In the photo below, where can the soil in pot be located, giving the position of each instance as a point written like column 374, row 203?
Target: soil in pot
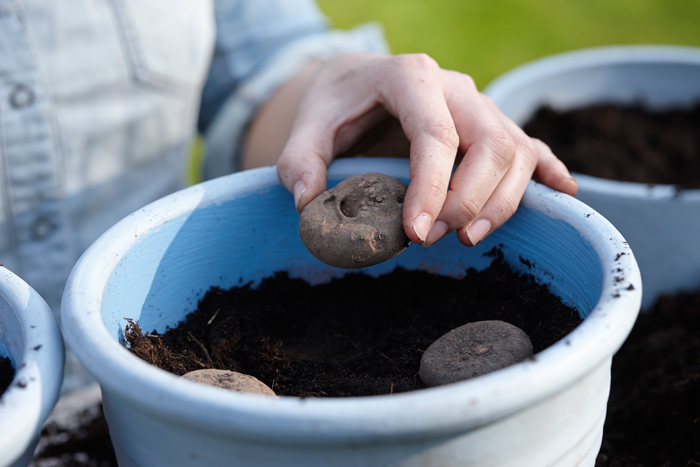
column 624, row 143
column 354, row 336
column 653, row 416
column 7, row 373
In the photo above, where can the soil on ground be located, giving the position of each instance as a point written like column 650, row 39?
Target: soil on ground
column 7, row 373
column 629, row 144
column 653, row 416
column 76, row 433
column 84, row 443
column 654, row 408
column 354, row 336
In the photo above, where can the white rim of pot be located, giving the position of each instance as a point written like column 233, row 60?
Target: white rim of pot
column 34, row 391
column 503, row 86
column 440, row 410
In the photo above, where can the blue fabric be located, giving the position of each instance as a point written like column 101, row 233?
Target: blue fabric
column 248, row 34
column 260, row 45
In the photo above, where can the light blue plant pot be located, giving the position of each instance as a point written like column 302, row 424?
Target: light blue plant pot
column 156, row 264
column 660, row 223
column 30, row 337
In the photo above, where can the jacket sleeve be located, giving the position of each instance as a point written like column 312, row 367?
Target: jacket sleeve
column 260, row 44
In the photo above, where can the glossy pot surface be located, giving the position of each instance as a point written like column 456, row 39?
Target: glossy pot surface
column 156, row 264
column 30, row 337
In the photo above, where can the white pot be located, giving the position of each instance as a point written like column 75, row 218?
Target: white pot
column 157, row 263
column 30, row 337
column 660, row 223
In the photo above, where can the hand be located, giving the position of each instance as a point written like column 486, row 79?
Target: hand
column 442, row 114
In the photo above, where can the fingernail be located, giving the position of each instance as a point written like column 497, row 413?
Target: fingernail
column 436, row 233
column 299, row 189
column 421, row 226
column 478, row 230
column 572, row 182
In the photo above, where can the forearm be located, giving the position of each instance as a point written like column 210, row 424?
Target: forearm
column 270, row 128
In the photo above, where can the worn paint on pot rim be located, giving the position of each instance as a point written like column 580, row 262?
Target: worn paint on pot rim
column 30, row 337
column 660, row 222
column 157, row 263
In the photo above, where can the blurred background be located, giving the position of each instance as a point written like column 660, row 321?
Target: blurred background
column 486, row 38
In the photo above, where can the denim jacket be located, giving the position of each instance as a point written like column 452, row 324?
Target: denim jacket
column 100, row 101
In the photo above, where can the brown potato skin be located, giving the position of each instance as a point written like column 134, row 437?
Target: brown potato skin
column 472, row 350
column 230, row 380
column 357, row 223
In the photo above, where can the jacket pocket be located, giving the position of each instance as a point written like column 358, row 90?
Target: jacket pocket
column 168, row 43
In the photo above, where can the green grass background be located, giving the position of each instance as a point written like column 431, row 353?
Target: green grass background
column 485, row 38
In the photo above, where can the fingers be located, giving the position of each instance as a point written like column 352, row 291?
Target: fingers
column 442, row 114
column 504, row 200
column 506, row 197
column 493, row 148
column 474, row 218
column 302, row 170
column 552, row 172
column 415, row 95
column 336, row 109
column 350, row 95
column 314, row 140
column 531, row 155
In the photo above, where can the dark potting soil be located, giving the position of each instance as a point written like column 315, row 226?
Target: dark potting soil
column 7, row 374
column 85, row 443
column 624, row 143
column 654, row 408
column 354, row 336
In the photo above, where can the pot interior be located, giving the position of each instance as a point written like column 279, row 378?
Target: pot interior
column 246, row 237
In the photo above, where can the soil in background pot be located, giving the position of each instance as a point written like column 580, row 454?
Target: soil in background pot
column 7, row 373
column 354, row 336
column 629, row 143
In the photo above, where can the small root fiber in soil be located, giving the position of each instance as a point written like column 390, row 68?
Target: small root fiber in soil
column 653, row 414
column 625, row 143
column 354, row 336
column 7, row 374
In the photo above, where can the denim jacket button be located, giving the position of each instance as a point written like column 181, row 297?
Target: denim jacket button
column 21, row 96
column 41, row 228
